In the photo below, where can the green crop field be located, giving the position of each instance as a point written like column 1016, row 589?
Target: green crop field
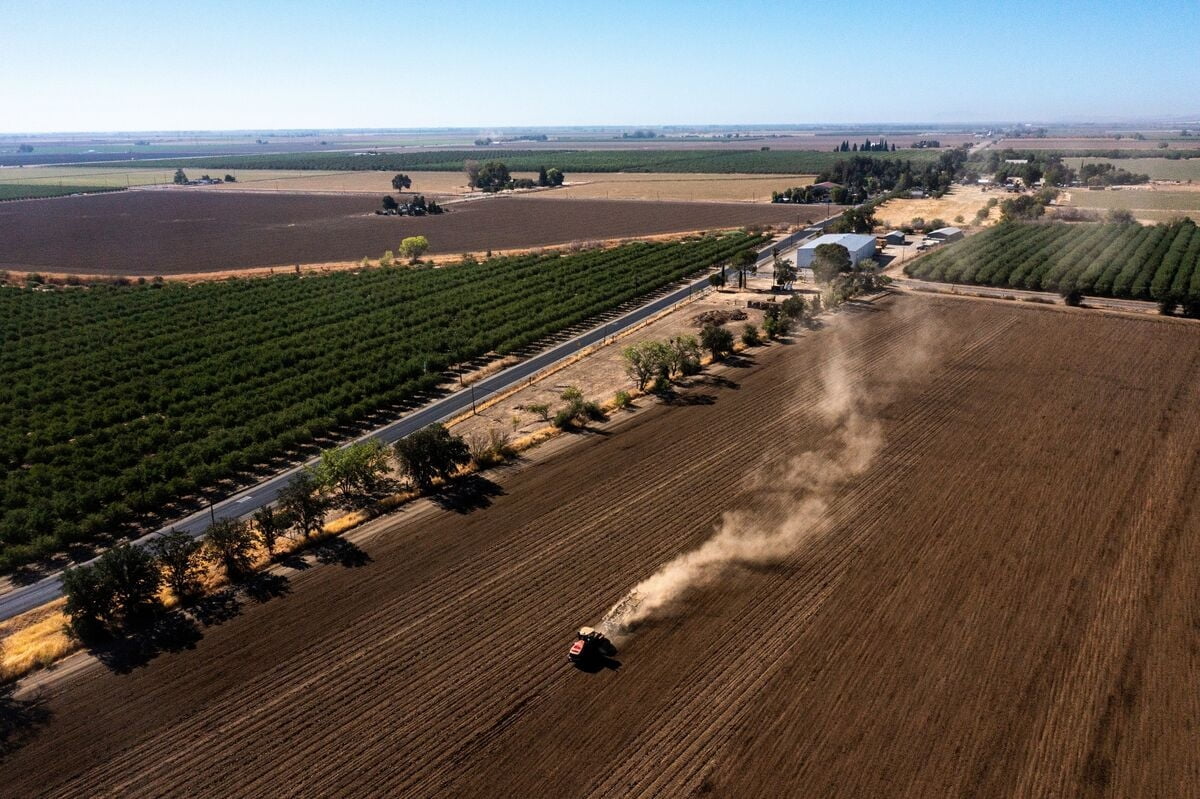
column 31, row 191
column 710, row 161
column 1107, row 260
column 116, row 401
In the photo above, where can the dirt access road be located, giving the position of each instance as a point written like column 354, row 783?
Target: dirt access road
column 1002, row 604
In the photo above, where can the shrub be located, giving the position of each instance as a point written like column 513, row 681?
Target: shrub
column 750, row 335
column 661, row 386
column 771, row 326
column 539, row 409
column 622, row 399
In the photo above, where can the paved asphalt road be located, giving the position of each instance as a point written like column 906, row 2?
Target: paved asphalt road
column 251, row 499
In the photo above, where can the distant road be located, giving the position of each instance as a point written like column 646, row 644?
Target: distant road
column 20, row 600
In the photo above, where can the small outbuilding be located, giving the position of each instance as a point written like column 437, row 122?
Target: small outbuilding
column 946, row 234
column 893, row 237
column 860, row 246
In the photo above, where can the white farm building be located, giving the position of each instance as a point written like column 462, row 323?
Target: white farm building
column 860, row 246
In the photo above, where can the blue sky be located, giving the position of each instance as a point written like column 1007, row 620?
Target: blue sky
column 90, row 66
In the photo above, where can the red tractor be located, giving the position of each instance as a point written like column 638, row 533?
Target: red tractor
column 589, row 645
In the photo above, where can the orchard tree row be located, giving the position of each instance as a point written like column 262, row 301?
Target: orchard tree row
column 1158, row 262
column 119, row 403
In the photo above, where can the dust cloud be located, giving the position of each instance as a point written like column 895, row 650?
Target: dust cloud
column 795, row 497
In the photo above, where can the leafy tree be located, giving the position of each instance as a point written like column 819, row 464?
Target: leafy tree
column 1024, row 207
column 401, row 182
column 828, row 261
column 228, row 542
column 543, row 179
column 389, row 203
column 180, row 178
column 269, row 524
column 750, row 335
column 794, row 308
column 717, row 279
column 471, row 167
column 177, row 552
column 413, row 247
column 717, row 340
column 855, row 220
column 89, row 601
column 352, row 468
column 430, row 453
column 230, row 178
column 771, row 326
column 784, row 273
column 493, row 176
column 302, row 502
column 555, row 177
column 120, row 589
column 684, row 355
column 644, row 360
column 1120, row 216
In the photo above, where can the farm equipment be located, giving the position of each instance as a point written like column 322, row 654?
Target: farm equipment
column 589, row 645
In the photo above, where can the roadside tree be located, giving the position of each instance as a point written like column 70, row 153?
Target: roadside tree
column 228, row 542
column 303, row 504
column 177, row 553
column 431, row 453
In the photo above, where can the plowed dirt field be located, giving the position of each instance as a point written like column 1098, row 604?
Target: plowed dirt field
column 1005, row 603
column 164, row 232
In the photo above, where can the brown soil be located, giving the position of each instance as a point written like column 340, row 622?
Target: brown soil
column 166, row 232
column 1004, row 604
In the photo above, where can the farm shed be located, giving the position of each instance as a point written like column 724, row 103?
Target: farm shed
column 946, row 234
column 860, row 245
column 893, row 237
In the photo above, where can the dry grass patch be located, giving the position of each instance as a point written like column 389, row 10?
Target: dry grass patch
column 962, row 201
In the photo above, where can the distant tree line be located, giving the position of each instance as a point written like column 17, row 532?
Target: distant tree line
column 494, row 176
column 867, row 146
column 861, row 178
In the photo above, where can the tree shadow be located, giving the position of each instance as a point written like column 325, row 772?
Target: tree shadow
column 19, row 718
column 169, row 632
column 216, row 608
column 265, row 586
column 470, row 493
column 689, row 398
column 717, row 381
column 343, row 553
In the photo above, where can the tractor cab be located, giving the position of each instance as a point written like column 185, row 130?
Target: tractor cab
column 588, row 645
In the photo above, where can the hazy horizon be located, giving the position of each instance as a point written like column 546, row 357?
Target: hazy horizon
column 224, row 66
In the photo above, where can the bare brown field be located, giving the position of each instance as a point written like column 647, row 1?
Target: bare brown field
column 175, row 232
column 1002, row 604
column 580, row 185
column 674, row 186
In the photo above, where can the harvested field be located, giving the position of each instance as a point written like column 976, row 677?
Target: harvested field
column 170, row 232
column 668, row 186
column 964, row 201
column 1067, row 144
column 1003, row 604
column 1187, row 169
column 1148, row 204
